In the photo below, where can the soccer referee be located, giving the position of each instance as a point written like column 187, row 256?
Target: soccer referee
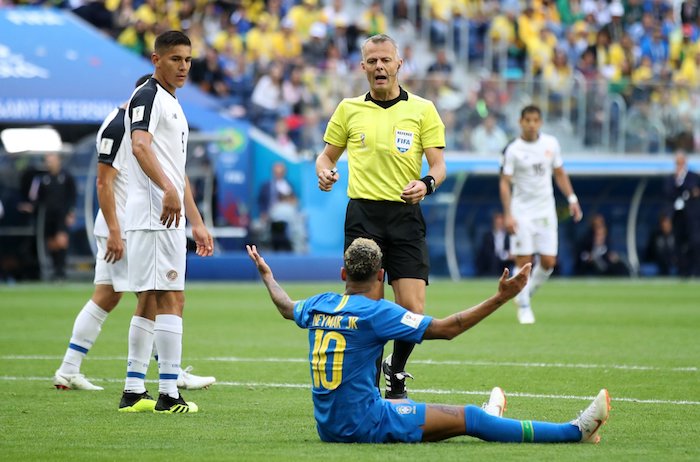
column 386, row 132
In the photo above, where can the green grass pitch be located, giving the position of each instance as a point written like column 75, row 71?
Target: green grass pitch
column 638, row 338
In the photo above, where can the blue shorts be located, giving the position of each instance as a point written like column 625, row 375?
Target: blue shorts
column 397, row 422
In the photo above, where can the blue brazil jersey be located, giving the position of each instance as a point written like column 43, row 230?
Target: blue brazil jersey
column 346, row 336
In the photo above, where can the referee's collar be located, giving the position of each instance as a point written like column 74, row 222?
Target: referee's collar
column 403, row 96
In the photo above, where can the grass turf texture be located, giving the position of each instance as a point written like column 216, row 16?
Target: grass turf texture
column 637, row 338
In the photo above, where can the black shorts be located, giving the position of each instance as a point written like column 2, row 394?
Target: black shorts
column 398, row 229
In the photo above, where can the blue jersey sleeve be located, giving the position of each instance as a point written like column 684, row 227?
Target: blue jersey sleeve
column 303, row 310
column 301, row 316
column 393, row 322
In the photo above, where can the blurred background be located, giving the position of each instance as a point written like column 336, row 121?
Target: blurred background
column 618, row 83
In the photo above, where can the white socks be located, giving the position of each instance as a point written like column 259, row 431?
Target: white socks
column 139, row 355
column 168, row 336
column 538, row 277
column 523, row 298
column 86, row 329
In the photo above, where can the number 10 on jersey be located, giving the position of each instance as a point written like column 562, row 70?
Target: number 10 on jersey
column 319, row 359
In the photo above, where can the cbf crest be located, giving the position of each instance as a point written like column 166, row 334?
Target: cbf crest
column 403, row 140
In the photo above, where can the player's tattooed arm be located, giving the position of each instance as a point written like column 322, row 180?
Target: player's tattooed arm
column 280, row 298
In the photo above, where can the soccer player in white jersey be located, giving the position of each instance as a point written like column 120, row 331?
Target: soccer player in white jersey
column 527, row 197
column 111, row 267
column 159, row 190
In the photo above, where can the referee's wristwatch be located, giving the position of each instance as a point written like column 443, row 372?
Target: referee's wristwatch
column 429, row 182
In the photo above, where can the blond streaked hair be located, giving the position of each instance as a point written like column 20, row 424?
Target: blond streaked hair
column 363, row 259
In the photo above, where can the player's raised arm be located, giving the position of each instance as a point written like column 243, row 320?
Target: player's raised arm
column 279, row 297
column 452, row 326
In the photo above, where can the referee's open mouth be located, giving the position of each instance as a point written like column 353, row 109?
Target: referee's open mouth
column 380, row 78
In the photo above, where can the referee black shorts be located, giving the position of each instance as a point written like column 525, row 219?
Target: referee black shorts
column 398, row 229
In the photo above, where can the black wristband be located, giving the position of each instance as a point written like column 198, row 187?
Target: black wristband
column 429, row 182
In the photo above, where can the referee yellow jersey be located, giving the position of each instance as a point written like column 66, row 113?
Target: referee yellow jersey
column 385, row 142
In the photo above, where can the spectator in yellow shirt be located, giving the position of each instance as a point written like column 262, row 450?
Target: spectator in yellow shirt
column 601, row 49
column 303, row 16
column 623, row 51
column 229, row 39
column 558, row 75
column 682, row 46
column 259, row 40
column 689, row 72
column 529, row 27
column 286, row 44
column 547, row 13
column 138, row 38
column 440, row 17
column 503, row 33
column 621, row 80
column 148, row 12
column 643, row 77
column 373, row 21
column 541, row 50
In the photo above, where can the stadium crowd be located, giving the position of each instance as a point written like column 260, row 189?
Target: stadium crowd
column 630, row 67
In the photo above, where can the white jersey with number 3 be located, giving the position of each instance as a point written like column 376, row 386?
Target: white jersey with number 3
column 530, row 166
column 155, row 110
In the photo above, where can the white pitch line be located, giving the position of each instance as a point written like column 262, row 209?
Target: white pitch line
column 234, row 359
column 429, row 391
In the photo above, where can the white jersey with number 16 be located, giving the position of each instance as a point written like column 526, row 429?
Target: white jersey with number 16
column 530, row 166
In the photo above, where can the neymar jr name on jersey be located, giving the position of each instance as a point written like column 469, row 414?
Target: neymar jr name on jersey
column 335, row 322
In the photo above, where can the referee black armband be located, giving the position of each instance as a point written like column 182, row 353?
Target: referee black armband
column 429, row 182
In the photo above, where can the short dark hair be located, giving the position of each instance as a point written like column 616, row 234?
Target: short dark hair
column 530, row 109
column 141, row 80
column 170, row 39
column 362, row 259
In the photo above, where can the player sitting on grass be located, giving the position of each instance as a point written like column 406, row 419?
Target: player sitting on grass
column 346, row 334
